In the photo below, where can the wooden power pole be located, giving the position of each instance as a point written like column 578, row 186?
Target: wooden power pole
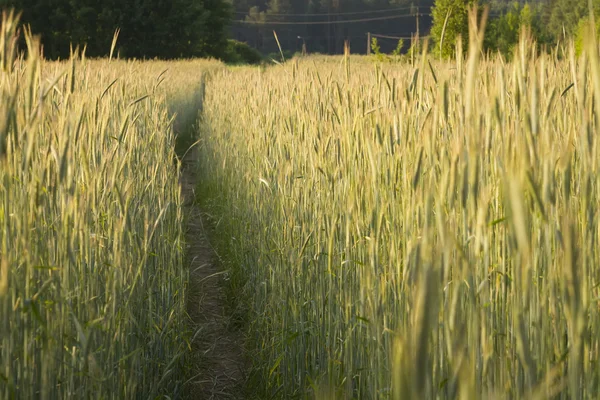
column 418, row 32
column 368, row 43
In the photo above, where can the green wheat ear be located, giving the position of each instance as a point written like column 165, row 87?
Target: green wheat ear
column 93, row 284
column 424, row 225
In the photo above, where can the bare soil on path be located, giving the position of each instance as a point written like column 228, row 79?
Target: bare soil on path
column 218, row 348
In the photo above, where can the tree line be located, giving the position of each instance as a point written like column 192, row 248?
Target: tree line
column 148, row 28
column 549, row 22
column 201, row 28
column 321, row 24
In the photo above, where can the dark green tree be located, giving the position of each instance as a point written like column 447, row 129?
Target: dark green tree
column 279, row 7
column 564, row 17
column 216, row 18
column 51, row 19
column 148, row 28
column 503, row 32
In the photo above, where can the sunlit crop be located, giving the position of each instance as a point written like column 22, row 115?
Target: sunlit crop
column 413, row 231
column 92, row 280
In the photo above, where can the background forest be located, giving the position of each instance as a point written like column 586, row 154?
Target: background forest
column 209, row 28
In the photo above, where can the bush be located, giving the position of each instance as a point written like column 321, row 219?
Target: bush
column 396, row 55
column 241, row 53
column 503, row 32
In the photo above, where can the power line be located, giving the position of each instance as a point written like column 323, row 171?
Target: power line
column 315, row 37
column 348, row 21
column 396, row 37
column 340, row 13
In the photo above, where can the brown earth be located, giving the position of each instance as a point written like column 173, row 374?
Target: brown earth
column 218, row 348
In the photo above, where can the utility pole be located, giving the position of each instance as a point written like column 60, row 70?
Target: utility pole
column 418, row 35
column 304, row 52
column 368, row 43
column 416, row 10
column 329, row 26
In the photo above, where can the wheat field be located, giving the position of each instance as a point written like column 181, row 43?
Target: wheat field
column 92, row 278
column 425, row 230
column 416, row 229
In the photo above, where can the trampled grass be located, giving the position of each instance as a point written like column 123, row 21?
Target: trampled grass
column 413, row 232
column 92, row 280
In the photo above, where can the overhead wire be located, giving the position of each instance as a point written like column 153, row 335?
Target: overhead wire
column 347, row 21
column 339, row 13
column 314, row 37
column 395, row 37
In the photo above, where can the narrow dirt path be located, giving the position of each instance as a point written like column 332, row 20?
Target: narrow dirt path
column 217, row 347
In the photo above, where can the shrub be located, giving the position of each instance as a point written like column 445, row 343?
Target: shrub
column 241, row 53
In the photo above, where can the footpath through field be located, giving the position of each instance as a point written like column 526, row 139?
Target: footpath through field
column 219, row 366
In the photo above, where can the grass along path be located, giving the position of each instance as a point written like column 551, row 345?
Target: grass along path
column 217, row 346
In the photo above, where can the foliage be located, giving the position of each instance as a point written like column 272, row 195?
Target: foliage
column 376, row 50
column 379, row 56
column 275, row 7
column 213, row 27
column 549, row 21
column 584, row 33
column 241, row 53
column 564, row 16
column 148, row 28
column 325, row 38
column 399, row 47
column 287, row 55
column 450, row 20
column 503, row 32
